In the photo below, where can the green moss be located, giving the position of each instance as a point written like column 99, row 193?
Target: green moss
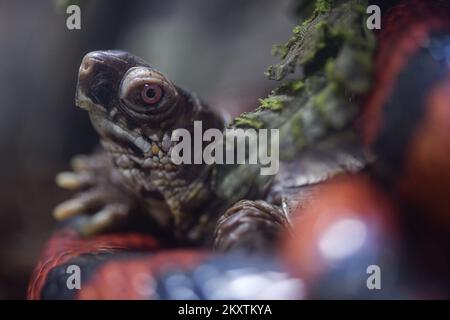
column 244, row 121
column 330, row 47
column 297, row 133
column 321, row 25
column 331, row 24
column 320, row 99
column 323, row 6
column 298, row 29
column 274, row 102
column 297, row 85
column 288, row 88
column 325, row 100
column 330, row 66
column 334, row 51
column 279, row 50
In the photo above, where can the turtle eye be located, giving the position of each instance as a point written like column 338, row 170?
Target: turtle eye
column 146, row 94
column 152, row 93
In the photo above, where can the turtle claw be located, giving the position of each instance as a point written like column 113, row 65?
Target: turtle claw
column 73, row 180
column 108, row 217
column 68, row 209
column 101, row 202
column 82, row 203
column 251, row 226
column 87, row 170
column 84, row 162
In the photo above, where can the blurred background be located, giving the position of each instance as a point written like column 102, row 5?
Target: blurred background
column 218, row 49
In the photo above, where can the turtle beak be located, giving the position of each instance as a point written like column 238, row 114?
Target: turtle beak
column 86, row 74
column 98, row 78
column 88, row 71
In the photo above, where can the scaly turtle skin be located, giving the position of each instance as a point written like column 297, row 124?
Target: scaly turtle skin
column 135, row 109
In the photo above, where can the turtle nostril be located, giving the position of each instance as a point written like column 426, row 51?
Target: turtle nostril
column 86, row 66
column 89, row 61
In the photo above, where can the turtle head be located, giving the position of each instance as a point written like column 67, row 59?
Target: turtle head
column 112, row 82
column 135, row 109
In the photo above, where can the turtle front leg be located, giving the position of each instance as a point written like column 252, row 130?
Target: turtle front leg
column 250, row 226
column 100, row 201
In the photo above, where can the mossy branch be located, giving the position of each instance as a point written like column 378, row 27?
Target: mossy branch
column 332, row 52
